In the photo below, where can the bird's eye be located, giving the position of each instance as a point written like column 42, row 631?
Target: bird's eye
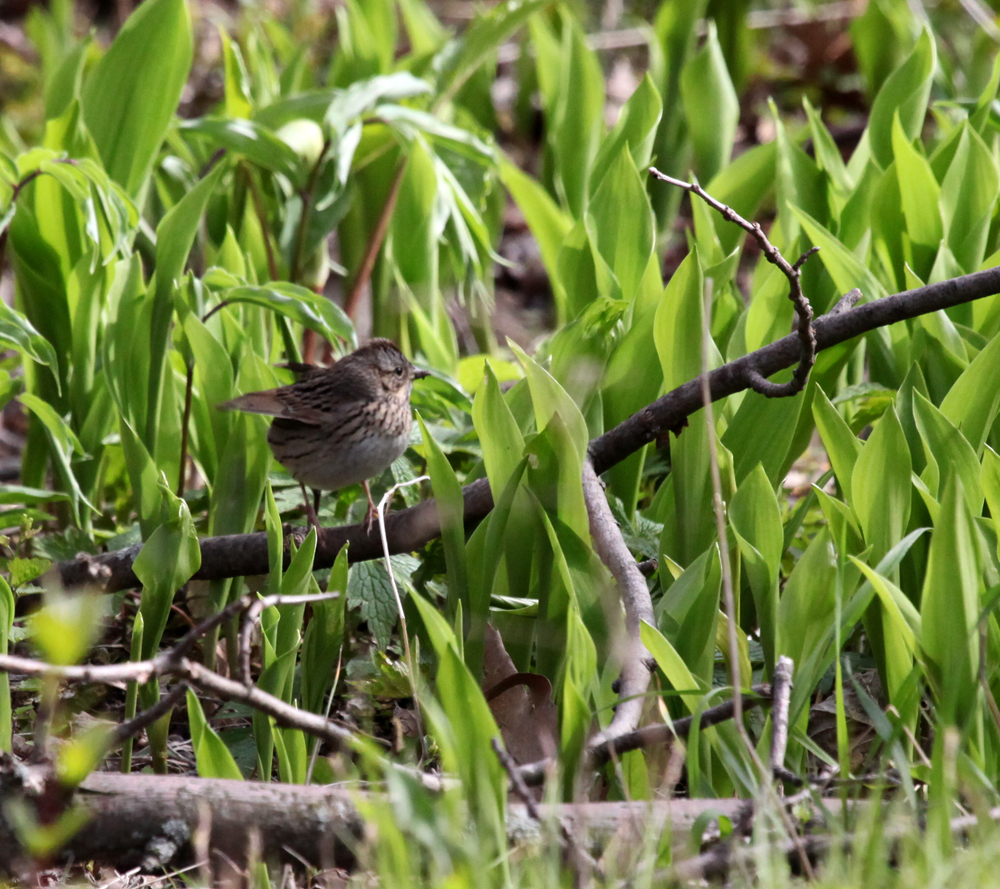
column 398, row 371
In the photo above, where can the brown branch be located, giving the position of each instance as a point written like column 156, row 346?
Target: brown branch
column 534, row 773
column 152, row 821
column 782, row 695
column 634, row 593
column 410, row 529
column 792, row 271
column 132, row 727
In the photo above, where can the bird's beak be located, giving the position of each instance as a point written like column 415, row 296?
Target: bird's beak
column 420, row 374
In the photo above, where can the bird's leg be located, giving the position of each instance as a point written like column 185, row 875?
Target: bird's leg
column 310, row 510
column 372, row 509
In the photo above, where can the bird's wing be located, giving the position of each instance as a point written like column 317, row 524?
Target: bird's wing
column 275, row 403
column 312, row 400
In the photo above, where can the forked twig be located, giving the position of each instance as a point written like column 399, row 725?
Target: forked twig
column 792, row 271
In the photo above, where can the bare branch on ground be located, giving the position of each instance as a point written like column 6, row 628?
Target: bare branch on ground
column 634, row 593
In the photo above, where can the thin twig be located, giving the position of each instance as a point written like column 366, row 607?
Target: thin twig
column 411, row 667
column 254, row 607
column 185, row 427
column 793, row 272
column 568, row 841
column 781, row 697
column 374, row 244
column 132, row 727
column 719, row 509
column 650, row 735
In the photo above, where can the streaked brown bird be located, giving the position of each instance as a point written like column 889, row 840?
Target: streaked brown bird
column 340, row 425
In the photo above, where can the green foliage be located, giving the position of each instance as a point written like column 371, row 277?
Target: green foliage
column 164, row 266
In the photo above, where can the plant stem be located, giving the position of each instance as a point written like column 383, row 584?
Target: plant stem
column 374, row 244
column 307, row 199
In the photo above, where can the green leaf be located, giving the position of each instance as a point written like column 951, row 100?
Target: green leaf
column 67, row 626
column 905, row 92
column 17, row 332
column 212, row 757
column 711, row 105
column 755, row 518
column 968, row 195
column 636, row 128
column 339, row 108
column 557, row 414
column 990, row 480
column 324, row 639
column 918, row 190
column 949, row 606
column 841, row 444
column 253, row 141
column 900, row 636
column 743, row 185
column 844, row 267
column 368, row 587
column 64, row 85
column 456, row 62
column 499, row 434
column 461, row 722
column 411, row 121
column 881, row 485
column 677, row 333
column 549, row 225
column 672, row 665
column 807, row 606
column 174, row 237
column 132, row 94
column 83, row 753
column 677, row 327
column 827, row 153
column 619, row 221
column 690, row 609
column 451, row 512
column 6, row 625
column 948, row 453
column 973, row 401
column 63, row 443
column 301, row 305
column 763, row 431
column 165, row 563
column 574, row 106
